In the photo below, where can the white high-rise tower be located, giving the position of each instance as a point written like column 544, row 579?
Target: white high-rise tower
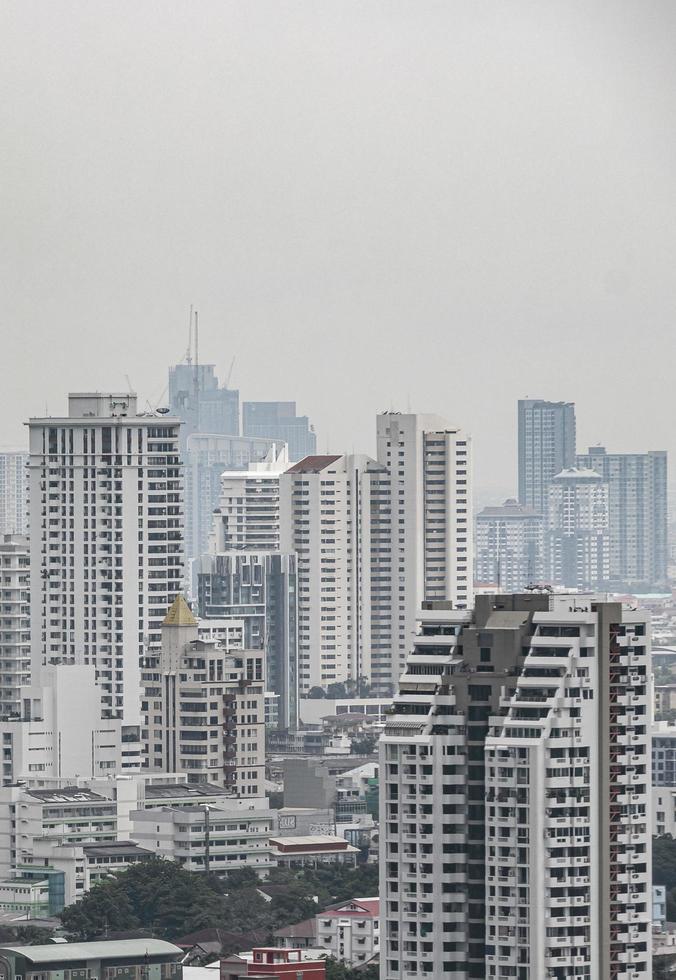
column 106, row 540
column 425, row 546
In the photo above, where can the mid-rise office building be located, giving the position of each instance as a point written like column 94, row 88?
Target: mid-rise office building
column 546, row 446
column 106, row 543
column 279, row 421
column 13, row 491
column 515, row 797
column 637, row 499
column 15, row 650
column 577, row 541
column 509, row 547
column 205, row 708
column 325, row 518
column 423, row 531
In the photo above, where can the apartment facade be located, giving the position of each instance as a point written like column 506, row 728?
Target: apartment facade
column 546, row 445
column 106, row 545
column 15, row 650
column 423, row 538
column 509, row 547
column 577, row 541
column 13, row 491
column 515, row 797
column 325, row 518
column 637, row 500
column 350, row 931
column 205, row 708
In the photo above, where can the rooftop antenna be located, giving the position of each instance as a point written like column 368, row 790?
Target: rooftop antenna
column 188, row 353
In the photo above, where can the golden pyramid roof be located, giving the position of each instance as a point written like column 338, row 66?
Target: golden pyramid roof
column 179, row 614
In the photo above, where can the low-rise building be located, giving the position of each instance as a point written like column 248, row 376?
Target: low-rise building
column 202, row 838
column 274, row 964
column 350, row 931
column 301, row 852
column 123, row 959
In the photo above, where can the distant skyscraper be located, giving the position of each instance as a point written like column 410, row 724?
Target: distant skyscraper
column 13, row 491
column 106, row 546
column 196, row 397
column 278, row 420
column 577, row 538
column 509, row 546
column 637, row 488
column 515, row 794
column 423, row 533
column 546, row 446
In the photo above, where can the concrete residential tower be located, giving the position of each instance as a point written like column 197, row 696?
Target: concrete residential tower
column 515, row 795
column 546, row 446
column 106, row 546
column 424, row 545
column 509, row 546
column 13, row 491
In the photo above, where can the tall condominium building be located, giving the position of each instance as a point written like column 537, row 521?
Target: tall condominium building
column 197, row 398
column 205, row 458
column 205, row 708
column 509, row 546
column 106, row 544
column 578, row 538
column 546, row 446
column 259, row 589
column 637, row 489
column 423, row 540
column 15, row 637
column 515, row 825
column 247, row 515
column 278, row 420
column 325, row 518
column 13, row 491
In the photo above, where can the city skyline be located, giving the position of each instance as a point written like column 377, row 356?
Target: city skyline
column 346, row 185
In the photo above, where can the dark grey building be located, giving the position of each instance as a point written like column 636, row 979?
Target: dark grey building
column 637, row 502
column 260, row 589
column 278, row 420
column 546, row 446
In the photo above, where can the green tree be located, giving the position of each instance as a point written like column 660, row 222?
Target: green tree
column 664, row 862
column 156, row 895
column 335, row 970
column 316, row 692
column 663, row 966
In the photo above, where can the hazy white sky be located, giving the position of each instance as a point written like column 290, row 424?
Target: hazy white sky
column 446, row 205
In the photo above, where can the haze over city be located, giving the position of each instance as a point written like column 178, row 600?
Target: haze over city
column 445, row 206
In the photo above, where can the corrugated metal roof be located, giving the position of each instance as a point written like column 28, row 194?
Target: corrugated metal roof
column 62, row 952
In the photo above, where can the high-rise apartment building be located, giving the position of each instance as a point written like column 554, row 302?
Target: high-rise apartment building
column 13, row 491
column 106, row 544
column 578, row 538
column 279, row 421
column 258, row 588
column 197, row 398
column 15, row 647
column 205, row 708
column 325, row 518
column 637, row 498
column 546, row 446
column 509, row 547
column 205, row 458
column 247, row 515
column 515, row 815
column 423, row 539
